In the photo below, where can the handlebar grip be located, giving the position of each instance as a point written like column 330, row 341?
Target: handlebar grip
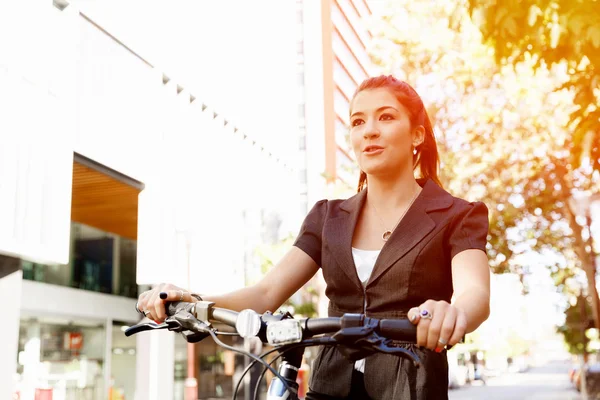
column 227, row 317
column 318, row 326
column 398, row 329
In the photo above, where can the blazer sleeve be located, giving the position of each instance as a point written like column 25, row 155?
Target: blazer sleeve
column 470, row 229
column 309, row 238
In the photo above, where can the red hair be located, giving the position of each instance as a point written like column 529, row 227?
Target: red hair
column 426, row 159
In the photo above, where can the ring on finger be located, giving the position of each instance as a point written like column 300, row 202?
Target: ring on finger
column 426, row 314
column 181, row 295
column 443, row 342
column 146, row 312
column 137, row 308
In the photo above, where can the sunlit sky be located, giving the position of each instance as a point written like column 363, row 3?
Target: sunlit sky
column 239, row 57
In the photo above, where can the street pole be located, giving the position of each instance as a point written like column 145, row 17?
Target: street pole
column 583, row 325
column 191, row 383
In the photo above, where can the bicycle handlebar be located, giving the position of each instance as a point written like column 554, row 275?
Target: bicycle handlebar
column 395, row 329
column 357, row 334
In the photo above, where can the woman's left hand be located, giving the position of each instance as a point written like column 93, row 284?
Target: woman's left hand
column 439, row 324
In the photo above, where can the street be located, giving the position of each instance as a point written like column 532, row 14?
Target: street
column 548, row 382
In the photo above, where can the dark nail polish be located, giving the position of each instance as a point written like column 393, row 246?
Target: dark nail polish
column 163, row 295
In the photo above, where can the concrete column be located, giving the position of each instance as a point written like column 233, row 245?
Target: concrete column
column 107, row 356
column 155, row 359
column 32, row 360
column 10, row 298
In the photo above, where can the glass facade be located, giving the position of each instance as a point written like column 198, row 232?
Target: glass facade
column 99, row 261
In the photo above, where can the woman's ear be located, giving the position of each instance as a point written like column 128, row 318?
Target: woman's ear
column 418, row 136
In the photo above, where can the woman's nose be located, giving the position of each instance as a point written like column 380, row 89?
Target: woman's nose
column 371, row 131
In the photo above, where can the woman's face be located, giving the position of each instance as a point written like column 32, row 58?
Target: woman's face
column 381, row 133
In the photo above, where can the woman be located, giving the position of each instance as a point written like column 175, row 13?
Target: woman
column 400, row 248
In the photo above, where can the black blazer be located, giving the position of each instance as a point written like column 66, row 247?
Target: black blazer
column 414, row 265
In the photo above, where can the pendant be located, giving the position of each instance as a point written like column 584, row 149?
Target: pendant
column 386, row 235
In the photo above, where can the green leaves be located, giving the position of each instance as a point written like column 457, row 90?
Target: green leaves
column 557, row 32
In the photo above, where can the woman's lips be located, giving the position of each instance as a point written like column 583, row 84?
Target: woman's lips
column 373, row 150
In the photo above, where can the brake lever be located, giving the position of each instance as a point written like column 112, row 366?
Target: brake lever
column 383, row 347
column 360, row 342
column 179, row 322
column 147, row 326
column 190, row 328
column 194, row 337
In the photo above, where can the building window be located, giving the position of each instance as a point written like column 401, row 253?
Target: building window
column 100, row 262
column 302, row 142
column 301, row 110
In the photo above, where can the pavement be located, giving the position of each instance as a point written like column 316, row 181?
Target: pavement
column 547, row 382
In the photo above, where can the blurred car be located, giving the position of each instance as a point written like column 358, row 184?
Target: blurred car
column 592, row 376
column 479, row 373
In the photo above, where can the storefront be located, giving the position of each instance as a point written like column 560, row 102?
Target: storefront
column 61, row 359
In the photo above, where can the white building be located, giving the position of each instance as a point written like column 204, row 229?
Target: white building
column 90, row 123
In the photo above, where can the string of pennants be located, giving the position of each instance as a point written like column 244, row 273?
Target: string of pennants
column 236, row 130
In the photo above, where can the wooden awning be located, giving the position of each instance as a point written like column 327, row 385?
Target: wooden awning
column 104, row 198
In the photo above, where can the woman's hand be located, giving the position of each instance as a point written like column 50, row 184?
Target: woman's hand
column 439, row 324
column 153, row 307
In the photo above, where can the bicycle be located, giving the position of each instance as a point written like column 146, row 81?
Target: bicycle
column 356, row 335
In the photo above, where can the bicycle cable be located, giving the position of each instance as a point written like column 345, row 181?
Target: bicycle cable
column 281, row 353
column 253, row 363
column 248, row 354
column 248, row 368
column 227, row 333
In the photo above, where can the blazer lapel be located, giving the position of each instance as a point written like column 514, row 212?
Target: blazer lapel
column 340, row 231
column 413, row 228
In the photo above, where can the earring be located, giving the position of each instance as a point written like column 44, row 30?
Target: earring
column 415, row 151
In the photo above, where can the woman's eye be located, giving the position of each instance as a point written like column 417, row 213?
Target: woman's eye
column 357, row 122
column 386, row 117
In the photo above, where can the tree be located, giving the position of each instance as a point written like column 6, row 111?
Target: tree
column 575, row 326
column 563, row 33
column 503, row 136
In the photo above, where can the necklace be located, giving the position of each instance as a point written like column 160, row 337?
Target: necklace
column 387, row 233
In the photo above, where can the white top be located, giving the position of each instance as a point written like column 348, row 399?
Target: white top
column 364, row 260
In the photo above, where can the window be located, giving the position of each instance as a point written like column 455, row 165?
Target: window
column 301, row 110
column 99, row 261
column 302, row 142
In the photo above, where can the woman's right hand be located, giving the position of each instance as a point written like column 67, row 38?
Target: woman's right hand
column 153, row 306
